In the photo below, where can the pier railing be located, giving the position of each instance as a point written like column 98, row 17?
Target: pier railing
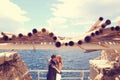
column 81, row 73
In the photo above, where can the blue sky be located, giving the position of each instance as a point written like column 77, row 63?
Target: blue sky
column 63, row 17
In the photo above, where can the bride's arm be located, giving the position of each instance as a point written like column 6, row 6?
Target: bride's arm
column 60, row 66
column 56, row 68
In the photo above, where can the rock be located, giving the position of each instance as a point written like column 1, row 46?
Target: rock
column 12, row 67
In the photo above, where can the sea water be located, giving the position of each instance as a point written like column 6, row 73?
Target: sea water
column 72, row 60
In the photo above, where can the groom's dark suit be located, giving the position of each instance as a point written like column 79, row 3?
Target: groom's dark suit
column 51, row 75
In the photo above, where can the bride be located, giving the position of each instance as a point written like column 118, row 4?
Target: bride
column 58, row 67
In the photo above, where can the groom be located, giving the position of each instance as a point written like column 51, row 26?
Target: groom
column 51, row 75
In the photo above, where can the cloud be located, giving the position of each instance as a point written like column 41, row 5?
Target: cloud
column 81, row 14
column 12, row 17
column 57, row 22
column 57, row 25
column 66, row 8
column 86, row 8
column 10, row 25
column 12, row 11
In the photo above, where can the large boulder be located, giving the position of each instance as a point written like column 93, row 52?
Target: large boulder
column 12, row 67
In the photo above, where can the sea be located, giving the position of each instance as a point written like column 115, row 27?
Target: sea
column 72, row 60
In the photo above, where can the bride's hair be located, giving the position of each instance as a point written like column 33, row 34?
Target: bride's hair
column 60, row 59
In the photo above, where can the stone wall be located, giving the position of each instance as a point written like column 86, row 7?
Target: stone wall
column 12, row 67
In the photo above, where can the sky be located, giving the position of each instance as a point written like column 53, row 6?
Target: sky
column 63, row 17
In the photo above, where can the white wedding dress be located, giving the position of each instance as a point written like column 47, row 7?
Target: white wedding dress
column 58, row 76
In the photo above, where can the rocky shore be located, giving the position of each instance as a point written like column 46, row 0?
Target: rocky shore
column 12, row 67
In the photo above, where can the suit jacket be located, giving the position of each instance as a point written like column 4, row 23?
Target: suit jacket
column 51, row 75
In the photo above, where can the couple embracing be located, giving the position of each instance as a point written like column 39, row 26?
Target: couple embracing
column 54, row 68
